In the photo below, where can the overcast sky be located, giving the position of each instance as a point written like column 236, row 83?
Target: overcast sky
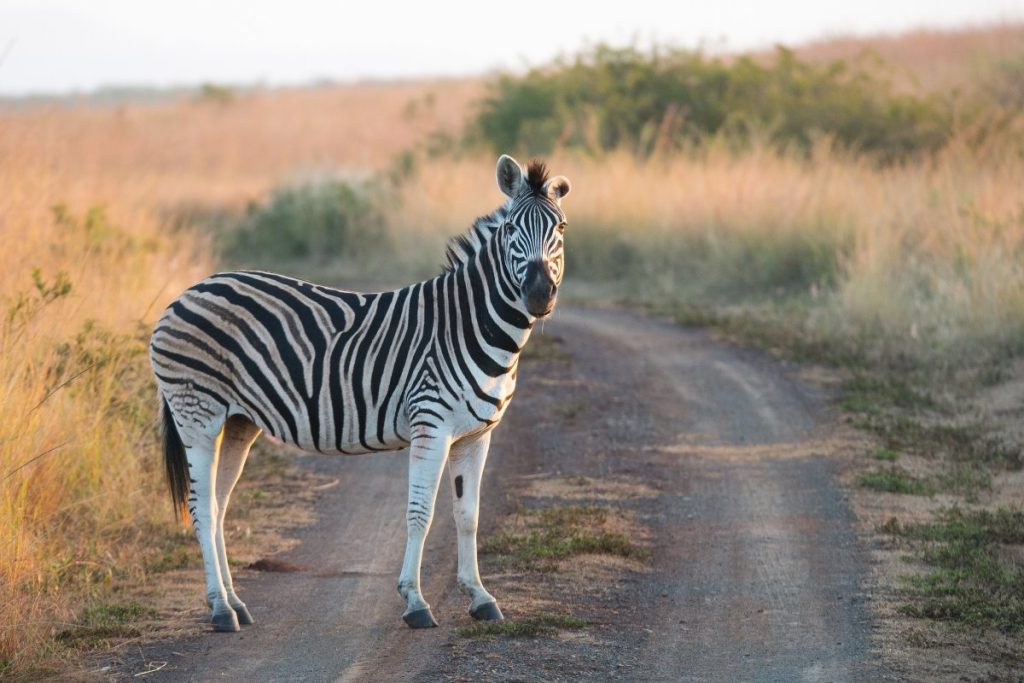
column 62, row 45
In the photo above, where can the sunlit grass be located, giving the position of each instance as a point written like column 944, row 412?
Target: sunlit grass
column 78, row 467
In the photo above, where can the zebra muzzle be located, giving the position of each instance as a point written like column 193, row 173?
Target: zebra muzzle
column 539, row 290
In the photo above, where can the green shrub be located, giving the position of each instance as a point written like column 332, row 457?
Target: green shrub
column 609, row 98
column 216, row 93
column 316, row 222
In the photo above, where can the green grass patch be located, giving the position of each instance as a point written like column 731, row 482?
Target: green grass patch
column 531, row 627
column 268, row 463
column 978, row 527
column 908, row 418
column 706, row 268
column 542, row 537
column 976, row 579
column 916, row 638
column 959, row 443
column 895, row 480
column 253, row 495
column 965, row 454
column 101, row 624
column 781, row 327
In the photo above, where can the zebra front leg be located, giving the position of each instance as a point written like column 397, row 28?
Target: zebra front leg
column 202, row 464
column 238, row 437
column 466, row 469
column 427, row 455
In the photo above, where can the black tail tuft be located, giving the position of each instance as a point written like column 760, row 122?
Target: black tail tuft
column 176, row 463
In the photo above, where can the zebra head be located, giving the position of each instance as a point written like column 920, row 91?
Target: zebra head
column 534, row 231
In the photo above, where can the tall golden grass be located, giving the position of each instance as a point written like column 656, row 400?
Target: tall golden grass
column 76, row 447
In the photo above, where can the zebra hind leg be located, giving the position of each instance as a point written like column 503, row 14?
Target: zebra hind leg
column 202, row 504
column 238, row 437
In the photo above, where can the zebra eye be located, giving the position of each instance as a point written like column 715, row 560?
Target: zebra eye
column 560, row 228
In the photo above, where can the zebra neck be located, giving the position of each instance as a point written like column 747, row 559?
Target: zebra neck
column 506, row 289
column 489, row 305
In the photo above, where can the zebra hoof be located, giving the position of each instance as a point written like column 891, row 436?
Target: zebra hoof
column 421, row 618
column 225, row 622
column 487, row 612
column 244, row 618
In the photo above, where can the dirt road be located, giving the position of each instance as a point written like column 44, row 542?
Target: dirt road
column 754, row 572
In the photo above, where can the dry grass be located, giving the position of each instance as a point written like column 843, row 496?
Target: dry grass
column 77, row 463
column 224, row 153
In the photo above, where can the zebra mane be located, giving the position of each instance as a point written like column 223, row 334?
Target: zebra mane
column 462, row 248
column 536, row 176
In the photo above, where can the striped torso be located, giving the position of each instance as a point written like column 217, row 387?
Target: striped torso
column 336, row 371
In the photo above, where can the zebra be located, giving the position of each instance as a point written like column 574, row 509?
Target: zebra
column 431, row 367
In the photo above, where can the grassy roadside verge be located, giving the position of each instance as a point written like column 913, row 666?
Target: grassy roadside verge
column 937, row 487
column 80, row 289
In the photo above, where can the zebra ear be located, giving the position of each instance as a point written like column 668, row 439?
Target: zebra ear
column 557, row 187
column 510, row 176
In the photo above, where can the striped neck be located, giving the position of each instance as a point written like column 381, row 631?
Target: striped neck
column 486, row 288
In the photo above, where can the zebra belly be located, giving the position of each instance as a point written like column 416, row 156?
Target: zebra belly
column 394, row 443
column 358, row 448
column 326, row 436
column 354, row 441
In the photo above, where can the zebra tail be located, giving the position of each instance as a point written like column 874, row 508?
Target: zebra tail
column 176, row 463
